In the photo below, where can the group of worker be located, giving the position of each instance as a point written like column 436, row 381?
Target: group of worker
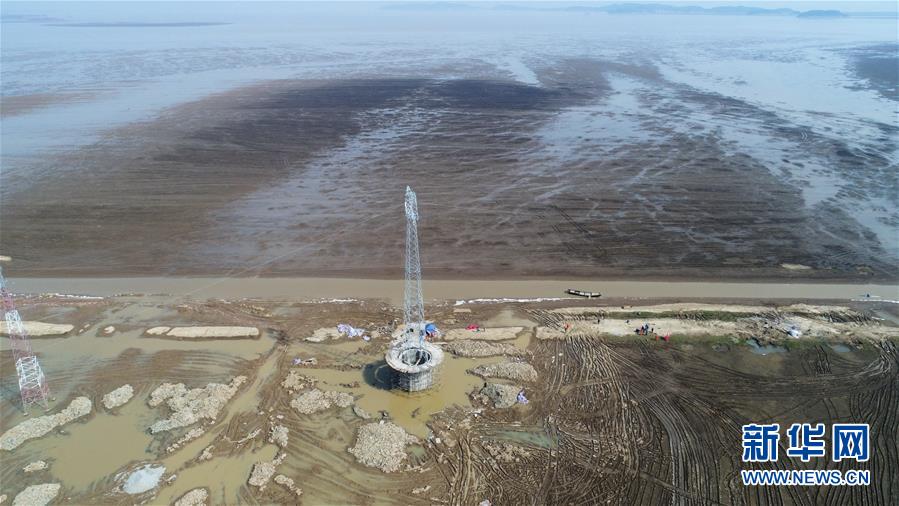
column 646, row 329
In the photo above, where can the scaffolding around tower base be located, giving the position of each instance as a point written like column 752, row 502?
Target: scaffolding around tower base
column 415, row 365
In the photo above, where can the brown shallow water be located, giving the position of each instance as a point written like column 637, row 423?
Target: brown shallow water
column 392, row 290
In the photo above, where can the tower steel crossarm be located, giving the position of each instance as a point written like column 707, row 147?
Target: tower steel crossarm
column 32, row 383
column 413, row 306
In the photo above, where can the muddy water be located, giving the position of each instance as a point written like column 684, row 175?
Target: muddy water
column 410, row 411
column 312, row 288
column 224, row 476
column 93, row 450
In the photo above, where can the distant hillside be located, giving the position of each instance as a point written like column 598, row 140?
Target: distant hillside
column 822, row 14
column 730, row 10
column 630, row 8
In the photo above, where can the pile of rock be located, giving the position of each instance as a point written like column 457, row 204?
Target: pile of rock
column 502, row 396
column 191, row 406
column 289, row 484
column 278, row 435
column 470, row 348
column 118, row 397
column 37, row 465
column 324, row 334
column 37, row 495
column 39, row 426
column 316, row 400
column 517, row 371
column 382, row 445
column 263, row 471
column 189, row 436
column 296, row 381
column 195, row 497
column 262, row 474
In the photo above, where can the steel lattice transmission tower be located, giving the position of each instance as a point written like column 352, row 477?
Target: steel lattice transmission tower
column 413, row 306
column 32, row 383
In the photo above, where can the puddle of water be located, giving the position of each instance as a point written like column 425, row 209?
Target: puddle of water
column 766, row 349
column 508, row 318
column 532, row 438
column 224, row 476
column 410, row 411
column 107, row 441
column 840, row 348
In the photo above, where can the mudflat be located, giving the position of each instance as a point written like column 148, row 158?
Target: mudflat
column 305, row 178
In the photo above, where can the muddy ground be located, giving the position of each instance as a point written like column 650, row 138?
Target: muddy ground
column 601, row 169
column 628, row 419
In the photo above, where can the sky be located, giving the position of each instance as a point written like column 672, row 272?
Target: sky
column 799, row 5
column 860, row 5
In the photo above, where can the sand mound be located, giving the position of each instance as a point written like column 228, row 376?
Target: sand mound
column 470, row 348
column 37, row 495
column 222, row 332
column 662, row 326
column 316, row 400
column 37, row 427
column 118, row 397
column 195, row 497
column 490, row 334
column 503, row 396
column 190, row 406
column 40, row 329
column 382, row 445
column 518, row 371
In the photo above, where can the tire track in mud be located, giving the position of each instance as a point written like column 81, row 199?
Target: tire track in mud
column 643, row 424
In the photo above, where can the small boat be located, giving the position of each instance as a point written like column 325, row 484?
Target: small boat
column 581, row 293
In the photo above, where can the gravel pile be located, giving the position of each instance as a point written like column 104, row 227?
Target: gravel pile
column 382, row 445
column 503, row 396
column 469, row 348
column 195, row 497
column 316, row 400
column 361, row 413
column 37, row 465
column 517, row 371
column 37, row 495
column 296, row 381
column 324, row 334
column 186, row 438
column 190, row 406
column 289, row 484
column 278, row 435
column 262, row 474
column 118, row 397
column 41, row 425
